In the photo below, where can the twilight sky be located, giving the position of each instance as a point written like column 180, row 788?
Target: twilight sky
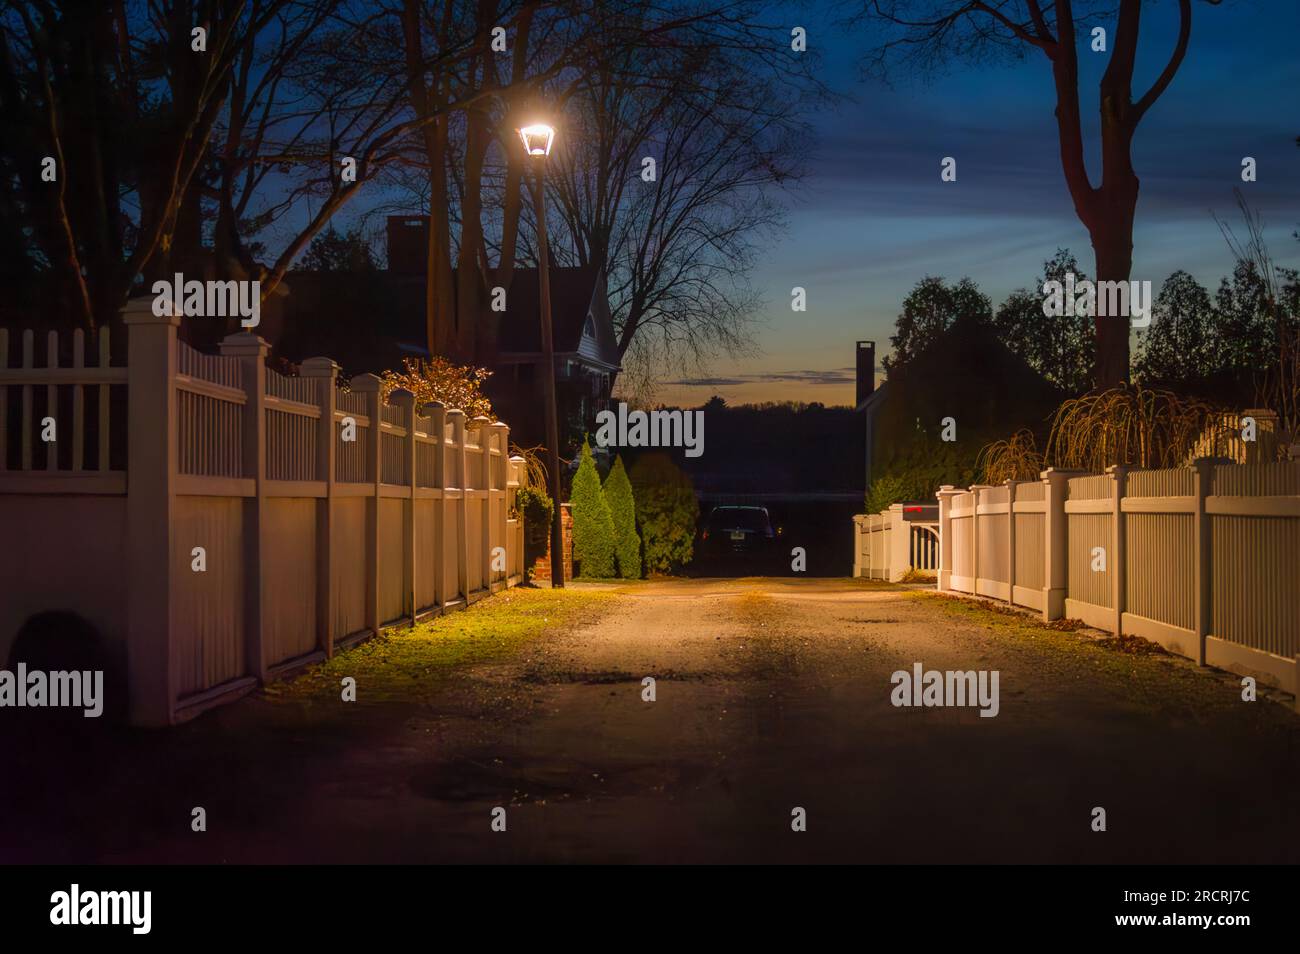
column 873, row 217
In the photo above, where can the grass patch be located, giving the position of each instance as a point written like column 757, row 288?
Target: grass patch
column 914, row 575
column 1140, row 673
column 405, row 664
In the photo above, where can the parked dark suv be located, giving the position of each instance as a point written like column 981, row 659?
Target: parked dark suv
column 738, row 530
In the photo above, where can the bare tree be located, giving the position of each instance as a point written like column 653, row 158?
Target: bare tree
column 124, row 98
column 925, row 34
column 673, row 179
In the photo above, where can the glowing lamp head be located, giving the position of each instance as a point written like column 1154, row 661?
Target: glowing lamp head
column 537, row 139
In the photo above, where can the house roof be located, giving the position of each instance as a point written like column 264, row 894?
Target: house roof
column 371, row 320
column 575, row 294
column 967, row 372
column 872, row 401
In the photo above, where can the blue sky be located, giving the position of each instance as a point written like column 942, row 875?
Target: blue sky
column 873, row 216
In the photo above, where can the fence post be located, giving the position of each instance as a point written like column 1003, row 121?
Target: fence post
column 150, row 502
column 1011, row 540
column 514, row 474
column 500, row 468
column 975, row 538
column 325, row 373
column 457, row 417
column 1204, row 483
column 1056, row 572
column 900, row 538
column 945, row 495
column 1262, row 450
column 1118, row 588
column 858, row 534
column 406, row 401
column 437, row 414
column 482, row 426
column 250, row 351
column 368, row 384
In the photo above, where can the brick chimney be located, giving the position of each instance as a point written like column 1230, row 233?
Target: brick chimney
column 408, row 238
column 866, row 371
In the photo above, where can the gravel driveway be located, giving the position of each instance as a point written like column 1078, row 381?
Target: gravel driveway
column 772, row 695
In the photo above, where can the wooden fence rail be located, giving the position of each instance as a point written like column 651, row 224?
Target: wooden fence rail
column 261, row 521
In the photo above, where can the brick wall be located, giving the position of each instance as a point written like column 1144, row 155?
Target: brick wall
column 542, row 568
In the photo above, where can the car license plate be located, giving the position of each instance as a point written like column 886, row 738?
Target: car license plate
column 737, row 534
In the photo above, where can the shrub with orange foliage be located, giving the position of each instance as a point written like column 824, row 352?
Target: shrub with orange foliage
column 437, row 379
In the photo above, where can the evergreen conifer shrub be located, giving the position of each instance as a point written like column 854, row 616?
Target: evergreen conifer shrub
column 622, row 507
column 593, row 525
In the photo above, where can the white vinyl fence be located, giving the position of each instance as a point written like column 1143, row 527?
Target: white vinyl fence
column 240, row 535
column 1204, row 560
column 886, row 546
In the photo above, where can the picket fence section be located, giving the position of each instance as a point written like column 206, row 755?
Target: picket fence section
column 1204, row 560
column 261, row 521
column 886, row 546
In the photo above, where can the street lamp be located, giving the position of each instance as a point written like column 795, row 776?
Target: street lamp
column 537, row 139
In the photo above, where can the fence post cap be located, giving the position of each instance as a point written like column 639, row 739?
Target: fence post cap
column 318, row 368
column 365, row 383
column 432, row 407
column 401, row 397
column 140, row 311
column 244, row 344
column 455, row 412
column 1117, row 470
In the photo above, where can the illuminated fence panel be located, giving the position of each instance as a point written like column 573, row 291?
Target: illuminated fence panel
column 426, row 463
column 213, row 368
column 1258, row 609
column 246, row 537
column 352, row 458
column 290, row 578
column 1254, row 517
column 1160, row 567
column 301, row 390
column 211, row 603
column 210, row 440
column 348, row 534
column 1203, row 560
column 994, row 548
column 1088, row 534
column 394, row 461
column 1029, row 556
column 963, row 562
column 394, row 556
column 290, row 445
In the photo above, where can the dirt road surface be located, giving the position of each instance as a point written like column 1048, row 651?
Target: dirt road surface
column 770, row 695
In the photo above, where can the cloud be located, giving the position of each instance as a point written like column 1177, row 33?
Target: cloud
column 828, row 376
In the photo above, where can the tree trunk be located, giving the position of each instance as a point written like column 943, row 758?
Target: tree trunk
column 1113, row 251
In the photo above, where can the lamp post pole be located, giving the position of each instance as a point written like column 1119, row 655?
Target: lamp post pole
column 548, row 373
